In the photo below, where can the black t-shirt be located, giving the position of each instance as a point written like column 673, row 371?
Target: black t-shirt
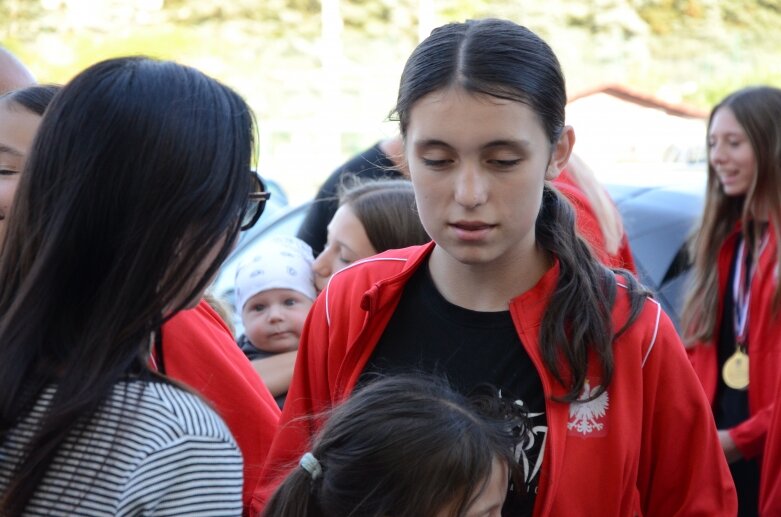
column 372, row 163
column 471, row 349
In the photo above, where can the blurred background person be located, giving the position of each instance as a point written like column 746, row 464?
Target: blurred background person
column 383, row 160
column 730, row 320
column 373, row 216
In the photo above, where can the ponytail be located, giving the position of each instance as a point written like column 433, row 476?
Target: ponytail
column 295, row 497
column 578, row 318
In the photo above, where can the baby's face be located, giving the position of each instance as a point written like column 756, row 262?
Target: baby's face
column 273, row 319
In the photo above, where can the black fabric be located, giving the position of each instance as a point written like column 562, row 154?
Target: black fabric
column 731, row 406
column 471, row 349
column 372, row 163
column 252, row 353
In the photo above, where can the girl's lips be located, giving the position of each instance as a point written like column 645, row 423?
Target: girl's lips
column 471, row 230
column 471, row 225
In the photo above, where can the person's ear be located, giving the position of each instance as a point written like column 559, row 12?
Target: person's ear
column 561, row 153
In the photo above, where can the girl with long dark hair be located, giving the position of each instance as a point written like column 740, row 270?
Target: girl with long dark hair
column 507, row 293
column 134, row 191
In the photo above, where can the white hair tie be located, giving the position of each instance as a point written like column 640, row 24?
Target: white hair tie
column 309, row 463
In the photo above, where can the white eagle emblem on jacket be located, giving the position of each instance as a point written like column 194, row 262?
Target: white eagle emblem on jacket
column 584, row 417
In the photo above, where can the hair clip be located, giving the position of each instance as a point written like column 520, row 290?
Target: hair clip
column 309, row 463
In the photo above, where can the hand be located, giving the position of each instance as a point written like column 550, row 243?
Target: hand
column 731, row 451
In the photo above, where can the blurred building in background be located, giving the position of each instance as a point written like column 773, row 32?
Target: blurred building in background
column 621, row 131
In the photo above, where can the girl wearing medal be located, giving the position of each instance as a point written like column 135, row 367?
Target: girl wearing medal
column 731, row 319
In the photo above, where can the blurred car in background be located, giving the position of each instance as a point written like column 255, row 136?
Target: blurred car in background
column 658, row 220
column 659, row 212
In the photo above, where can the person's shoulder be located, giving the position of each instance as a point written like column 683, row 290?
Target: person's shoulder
column 377, row 267
column 631, row 294
column 164, row 410
column 650, row 326
column 349, row 286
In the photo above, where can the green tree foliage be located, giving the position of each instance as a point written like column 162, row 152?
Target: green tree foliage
column 297, row 75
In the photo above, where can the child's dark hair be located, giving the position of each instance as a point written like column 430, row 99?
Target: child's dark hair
column 403, row 446
column 34, row 99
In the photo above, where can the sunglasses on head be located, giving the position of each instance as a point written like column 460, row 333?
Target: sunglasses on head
column 255, row 203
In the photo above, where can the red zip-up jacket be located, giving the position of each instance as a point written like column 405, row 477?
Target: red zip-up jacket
column 764, row 346
column 199, row 351
column 770, row 484
column 655, row 451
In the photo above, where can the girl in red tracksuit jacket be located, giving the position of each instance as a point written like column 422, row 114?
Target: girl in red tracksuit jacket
column 508, row 294
column 731, row 317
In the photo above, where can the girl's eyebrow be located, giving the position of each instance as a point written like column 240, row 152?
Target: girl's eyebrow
column 345, row 246
column 727, row 133
column 10, row 150
column 518, row 145
column 432, row 142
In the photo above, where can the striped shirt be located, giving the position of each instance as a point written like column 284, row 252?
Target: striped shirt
column 151, row 449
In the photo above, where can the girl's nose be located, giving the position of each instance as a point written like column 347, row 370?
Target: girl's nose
column 322, row 267
column 470, row 189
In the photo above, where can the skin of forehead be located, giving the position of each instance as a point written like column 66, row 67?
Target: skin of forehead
column 13, row 74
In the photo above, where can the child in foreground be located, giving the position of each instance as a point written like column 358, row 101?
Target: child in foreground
column 274, row 291
column 404, row 446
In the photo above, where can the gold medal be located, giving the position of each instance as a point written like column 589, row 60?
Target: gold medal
column 735, row 370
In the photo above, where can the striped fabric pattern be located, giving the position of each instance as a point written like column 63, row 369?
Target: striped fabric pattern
column 151, row 449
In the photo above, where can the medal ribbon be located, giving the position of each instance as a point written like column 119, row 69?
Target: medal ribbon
column 741, row 289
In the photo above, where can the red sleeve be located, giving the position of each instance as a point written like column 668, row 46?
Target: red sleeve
column 749, row 435
column 688, row 474
column 199, row 350
column 770, row 489
column 309, row 397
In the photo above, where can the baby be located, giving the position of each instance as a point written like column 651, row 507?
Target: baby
column 274, row 291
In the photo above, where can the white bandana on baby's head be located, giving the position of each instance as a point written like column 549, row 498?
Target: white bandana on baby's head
column 280, row 263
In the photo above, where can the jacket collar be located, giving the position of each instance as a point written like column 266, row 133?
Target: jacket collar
column 531, row 304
